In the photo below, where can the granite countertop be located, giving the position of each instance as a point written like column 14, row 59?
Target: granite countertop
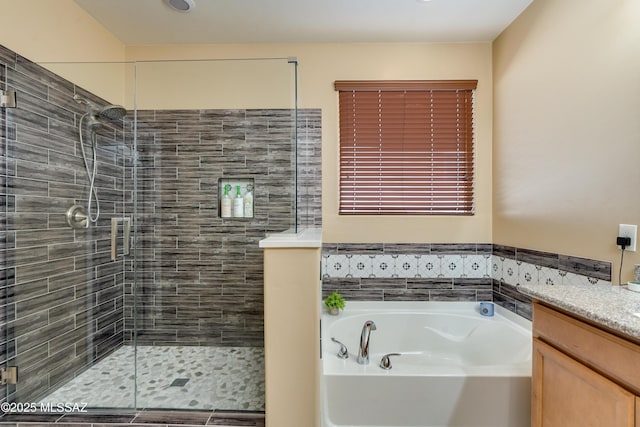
column 614, row 307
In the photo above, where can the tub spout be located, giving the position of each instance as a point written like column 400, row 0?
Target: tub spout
column 363, row 351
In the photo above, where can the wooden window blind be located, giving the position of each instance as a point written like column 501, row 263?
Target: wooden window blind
column 406, row 147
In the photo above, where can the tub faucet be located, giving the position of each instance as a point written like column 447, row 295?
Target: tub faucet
column 363, row 351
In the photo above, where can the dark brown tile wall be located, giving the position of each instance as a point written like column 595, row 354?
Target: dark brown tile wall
column 61, row 304
column 200, row 277
column 309, row 207
column 403, row 289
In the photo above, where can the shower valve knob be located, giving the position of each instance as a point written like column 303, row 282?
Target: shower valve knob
column 385, row 363
column 76, row 217
column 343, row 353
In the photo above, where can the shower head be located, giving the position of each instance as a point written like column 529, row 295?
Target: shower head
column 112, row 112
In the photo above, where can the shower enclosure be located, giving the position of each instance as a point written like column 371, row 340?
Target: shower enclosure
column 155, row 302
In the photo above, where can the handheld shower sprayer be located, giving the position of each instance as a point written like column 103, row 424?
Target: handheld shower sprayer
column 94, row 115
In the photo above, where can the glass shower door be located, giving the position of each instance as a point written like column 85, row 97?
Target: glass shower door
column 208, row 131
column 5, row 272
column 66, row 202
column 153, row 298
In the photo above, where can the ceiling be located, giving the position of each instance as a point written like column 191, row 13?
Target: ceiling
column 144, row 22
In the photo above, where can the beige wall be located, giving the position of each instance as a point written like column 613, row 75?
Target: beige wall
column 292, row 336
column 566, row 155
column 60, row 31
column 237, row 84
column 322, row 64
column 46, row 30
column 566, row 129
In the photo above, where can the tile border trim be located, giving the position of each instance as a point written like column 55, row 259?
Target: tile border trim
column 143, row 417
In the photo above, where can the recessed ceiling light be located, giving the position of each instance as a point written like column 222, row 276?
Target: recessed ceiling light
column 181, row 5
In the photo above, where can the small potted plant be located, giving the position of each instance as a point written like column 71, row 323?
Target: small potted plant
column 334, row 303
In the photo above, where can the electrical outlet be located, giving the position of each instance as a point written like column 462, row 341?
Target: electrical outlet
column 627, row 230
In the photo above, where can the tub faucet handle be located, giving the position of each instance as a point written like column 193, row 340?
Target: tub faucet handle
column 342, row 353
column 385, row 363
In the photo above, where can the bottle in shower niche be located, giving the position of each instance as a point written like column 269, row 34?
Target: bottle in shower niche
column 248, row 202
column 238, row 204
column 225, row 203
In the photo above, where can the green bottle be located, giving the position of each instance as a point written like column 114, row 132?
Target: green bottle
column 238, row 204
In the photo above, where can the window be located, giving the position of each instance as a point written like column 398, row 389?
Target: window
column 406, row 147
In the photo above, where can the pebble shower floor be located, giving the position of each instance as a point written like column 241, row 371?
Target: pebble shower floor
column 172, row 377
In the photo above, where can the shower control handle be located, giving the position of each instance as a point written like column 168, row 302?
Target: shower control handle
column 76, row 217
column 385, row 363
column 343, row 353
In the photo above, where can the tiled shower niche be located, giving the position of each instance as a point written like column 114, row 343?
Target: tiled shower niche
column 247, row 185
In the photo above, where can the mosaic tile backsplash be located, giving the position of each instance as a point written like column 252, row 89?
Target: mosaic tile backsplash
column 407, row 266
column 451, row 272
column 408, row 272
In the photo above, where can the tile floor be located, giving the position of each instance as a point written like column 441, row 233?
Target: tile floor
column 180, row 377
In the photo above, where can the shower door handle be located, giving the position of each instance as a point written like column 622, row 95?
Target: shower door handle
column 126, row 235
column 126, row 226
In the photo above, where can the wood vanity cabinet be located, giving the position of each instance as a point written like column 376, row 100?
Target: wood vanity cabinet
column 583, row 375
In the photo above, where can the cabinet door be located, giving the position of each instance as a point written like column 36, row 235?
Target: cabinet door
column 637, row 411
column 568, row 394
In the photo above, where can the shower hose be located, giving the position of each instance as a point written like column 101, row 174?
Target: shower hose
column 91, row 172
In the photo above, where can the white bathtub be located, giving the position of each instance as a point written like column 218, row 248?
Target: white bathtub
column 457, row 368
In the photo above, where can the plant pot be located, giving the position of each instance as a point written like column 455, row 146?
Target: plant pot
column 334, row 311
